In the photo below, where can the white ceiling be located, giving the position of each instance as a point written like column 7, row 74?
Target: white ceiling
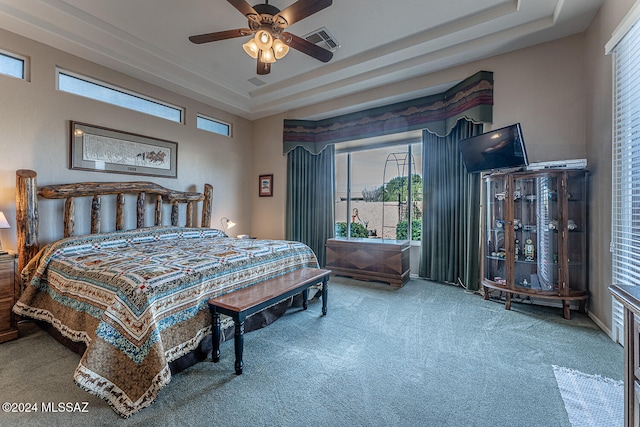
column 382, row 42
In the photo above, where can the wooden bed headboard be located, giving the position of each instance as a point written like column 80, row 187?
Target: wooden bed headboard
column 27, row 194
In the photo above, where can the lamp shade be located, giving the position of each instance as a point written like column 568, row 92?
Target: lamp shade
column 227, row 223
column 280, row 49
column 251, row 48
column 3, row 221
column 267, row 56
column 263, row 39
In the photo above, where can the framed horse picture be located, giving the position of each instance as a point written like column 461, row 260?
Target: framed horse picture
column 102, row 149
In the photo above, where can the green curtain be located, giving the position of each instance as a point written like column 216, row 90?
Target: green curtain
column 310, row 184
column 451, row 221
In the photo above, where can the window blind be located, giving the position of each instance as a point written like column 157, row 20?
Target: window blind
column 625, row 233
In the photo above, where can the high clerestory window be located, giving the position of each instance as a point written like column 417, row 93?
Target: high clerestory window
column 213, row 125
column 105, row 92
column 13, row 65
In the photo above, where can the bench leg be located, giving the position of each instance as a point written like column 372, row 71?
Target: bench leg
column 239, row 344
column 215, row 334
column 305, row 296
column 325, row 291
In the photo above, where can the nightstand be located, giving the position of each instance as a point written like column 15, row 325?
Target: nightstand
column 8, row 296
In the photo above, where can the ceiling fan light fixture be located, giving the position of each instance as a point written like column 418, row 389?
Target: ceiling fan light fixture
column 263, row 40
column 267, row 24
column 280, row 49
column 251, row 48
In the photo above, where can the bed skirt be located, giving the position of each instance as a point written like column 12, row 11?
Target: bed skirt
column 203, row 351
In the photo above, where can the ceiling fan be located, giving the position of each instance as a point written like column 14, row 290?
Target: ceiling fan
column 268, row 23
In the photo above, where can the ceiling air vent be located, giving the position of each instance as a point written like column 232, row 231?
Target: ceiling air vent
column 256, row 81
column 323, row 38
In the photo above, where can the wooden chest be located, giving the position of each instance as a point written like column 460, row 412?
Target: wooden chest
column 382, row 260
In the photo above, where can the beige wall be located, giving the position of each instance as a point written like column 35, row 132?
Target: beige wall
column 34, row 131
column 268, row 213
column 561, row 93
column 598, row 125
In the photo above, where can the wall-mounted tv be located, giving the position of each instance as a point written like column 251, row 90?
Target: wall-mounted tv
column 495, row 150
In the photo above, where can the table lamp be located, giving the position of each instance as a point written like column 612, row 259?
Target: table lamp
column 3, row 224
column 227, row 224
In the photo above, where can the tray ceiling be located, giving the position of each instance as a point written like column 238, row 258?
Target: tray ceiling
column 381, row 42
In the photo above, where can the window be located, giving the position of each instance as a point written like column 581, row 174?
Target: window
column 100, row 91
column 625, row 231
column 13, row 65
column 213, row 125
column 374, row 194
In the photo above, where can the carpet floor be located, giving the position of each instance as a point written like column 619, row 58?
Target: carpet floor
column 423, row 355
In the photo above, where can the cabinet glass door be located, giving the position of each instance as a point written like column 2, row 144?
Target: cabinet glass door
column 535, row 222
column 576, row 186
column 495, row 250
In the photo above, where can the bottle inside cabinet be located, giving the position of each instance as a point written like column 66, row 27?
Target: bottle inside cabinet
column 535, row 236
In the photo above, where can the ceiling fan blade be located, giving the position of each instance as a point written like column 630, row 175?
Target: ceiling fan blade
column 220, row 35
column 245, row 8
column 301, row 9
column 306, row 47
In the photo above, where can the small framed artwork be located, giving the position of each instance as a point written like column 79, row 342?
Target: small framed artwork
column 266, row 186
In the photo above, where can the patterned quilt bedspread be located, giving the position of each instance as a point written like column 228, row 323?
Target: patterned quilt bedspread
column 137, row 299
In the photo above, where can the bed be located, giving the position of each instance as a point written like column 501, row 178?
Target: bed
column 134, row 300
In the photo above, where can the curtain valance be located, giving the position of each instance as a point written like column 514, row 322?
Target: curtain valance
column 471, row 99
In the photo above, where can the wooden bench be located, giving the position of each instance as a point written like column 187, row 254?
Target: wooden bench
column 244, row 302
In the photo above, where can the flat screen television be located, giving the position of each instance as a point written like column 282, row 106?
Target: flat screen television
column 498, row 149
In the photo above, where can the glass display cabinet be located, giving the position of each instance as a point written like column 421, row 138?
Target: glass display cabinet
column 535, row 237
